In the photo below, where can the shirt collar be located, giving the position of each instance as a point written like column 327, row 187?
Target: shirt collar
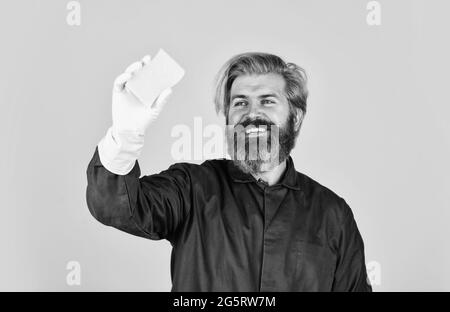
column 289, row 178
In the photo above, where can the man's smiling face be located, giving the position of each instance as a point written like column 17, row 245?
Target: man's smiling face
column 259, row 114
column 262, row 96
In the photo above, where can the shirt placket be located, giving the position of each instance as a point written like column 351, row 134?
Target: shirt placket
column 268, row 280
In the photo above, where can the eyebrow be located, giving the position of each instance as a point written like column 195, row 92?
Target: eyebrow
column 261, row 96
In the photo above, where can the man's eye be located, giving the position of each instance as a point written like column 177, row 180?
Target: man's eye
column 268, row 102
column 239, row 103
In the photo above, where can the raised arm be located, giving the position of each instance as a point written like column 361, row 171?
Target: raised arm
column 152, row 206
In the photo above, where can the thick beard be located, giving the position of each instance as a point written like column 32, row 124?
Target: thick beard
column 267, row 158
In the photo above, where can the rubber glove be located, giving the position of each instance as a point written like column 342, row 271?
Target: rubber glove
column 123, row 142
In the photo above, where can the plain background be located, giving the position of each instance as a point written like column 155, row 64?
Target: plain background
column 377, row 130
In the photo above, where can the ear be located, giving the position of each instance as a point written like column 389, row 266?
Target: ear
column 298, row 118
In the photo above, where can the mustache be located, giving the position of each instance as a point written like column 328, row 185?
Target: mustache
column 255, row 122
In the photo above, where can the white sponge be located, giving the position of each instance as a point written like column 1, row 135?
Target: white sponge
column 161, row 73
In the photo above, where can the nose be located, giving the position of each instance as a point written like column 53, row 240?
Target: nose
column 253, row 110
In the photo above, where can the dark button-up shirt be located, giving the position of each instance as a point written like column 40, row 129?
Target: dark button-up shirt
column 230, row 232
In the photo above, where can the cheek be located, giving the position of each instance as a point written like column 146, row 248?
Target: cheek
column 233, row 118
column 279, row 115
column 277, row 118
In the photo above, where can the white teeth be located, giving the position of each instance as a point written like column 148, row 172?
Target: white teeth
column 255, row 130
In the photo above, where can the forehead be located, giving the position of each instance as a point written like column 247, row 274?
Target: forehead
column 258, row 83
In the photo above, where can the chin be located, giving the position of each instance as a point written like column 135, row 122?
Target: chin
column 257, row 166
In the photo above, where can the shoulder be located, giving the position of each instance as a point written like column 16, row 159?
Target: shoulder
column 209, row 169
column 324, row 199
column 207, row 166
column 331, row 209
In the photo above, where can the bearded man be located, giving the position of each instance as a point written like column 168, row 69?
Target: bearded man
column 248, row 223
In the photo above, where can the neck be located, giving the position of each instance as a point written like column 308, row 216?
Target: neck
column 273, row 175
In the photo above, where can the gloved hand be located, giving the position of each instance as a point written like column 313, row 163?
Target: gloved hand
column 123, row 142
column 128, row 113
